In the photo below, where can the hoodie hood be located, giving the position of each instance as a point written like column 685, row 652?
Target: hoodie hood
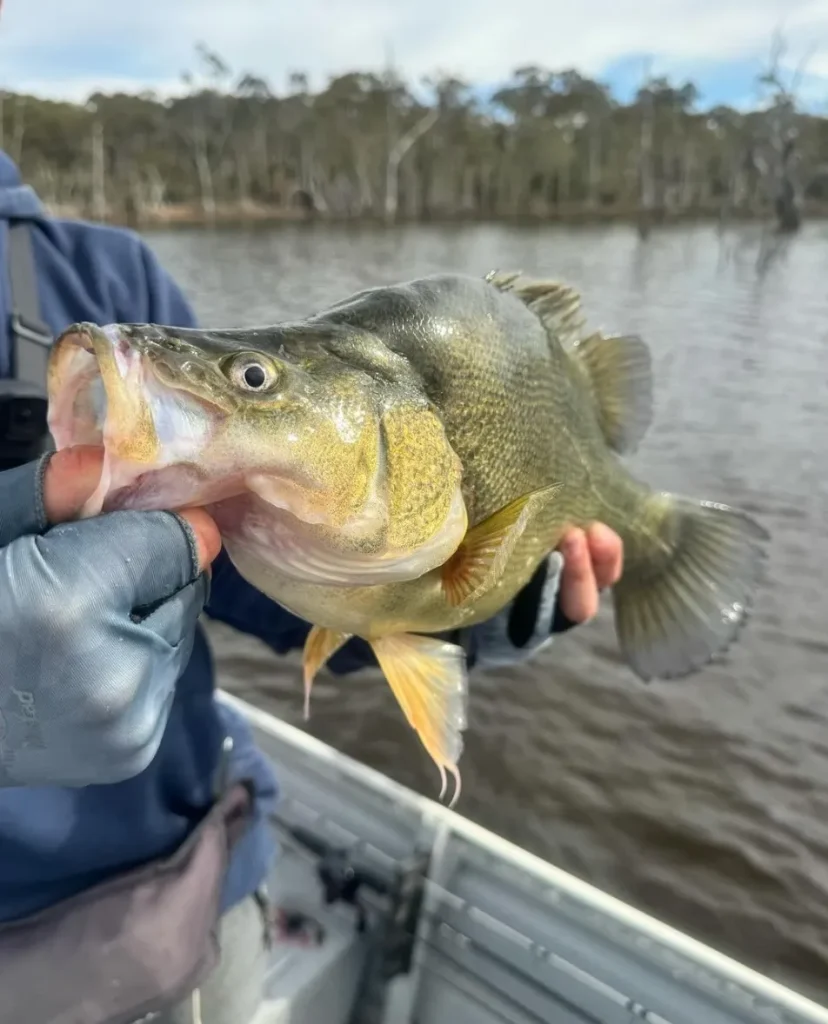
column 17, row 201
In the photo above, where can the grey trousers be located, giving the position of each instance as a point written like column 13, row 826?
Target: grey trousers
column 232, row 994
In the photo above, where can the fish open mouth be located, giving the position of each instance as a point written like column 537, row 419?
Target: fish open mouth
column 125, row 388
column 104, row 390
column 77, row 396
column 148, row 399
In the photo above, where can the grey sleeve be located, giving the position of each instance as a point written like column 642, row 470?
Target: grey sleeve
column 524, row 627
column 21, row 501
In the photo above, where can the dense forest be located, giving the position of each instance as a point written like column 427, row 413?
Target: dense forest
column 547, row 144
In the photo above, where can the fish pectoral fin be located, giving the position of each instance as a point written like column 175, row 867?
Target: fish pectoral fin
column 428, row 678
column 479, row 561
column 620, row 376
column 320, row 645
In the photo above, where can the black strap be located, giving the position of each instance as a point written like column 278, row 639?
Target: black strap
column 31, row 337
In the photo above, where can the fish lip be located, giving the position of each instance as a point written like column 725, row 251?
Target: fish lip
column 70, row 382
column 103, row 391
column 96, row 340
column 91, row 337
column 118, row 341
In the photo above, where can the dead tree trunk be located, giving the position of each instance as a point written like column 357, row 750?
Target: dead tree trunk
column 395, row 156
column 98, row 172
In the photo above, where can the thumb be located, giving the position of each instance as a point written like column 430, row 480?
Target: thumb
column 206, row 533
column 131, row 559
column 71, row 477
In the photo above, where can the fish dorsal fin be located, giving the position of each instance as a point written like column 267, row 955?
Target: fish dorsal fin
column 556, row 305
column 619, row 373
column 618, row 370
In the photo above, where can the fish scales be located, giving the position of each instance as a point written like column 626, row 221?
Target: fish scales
column 398, row 465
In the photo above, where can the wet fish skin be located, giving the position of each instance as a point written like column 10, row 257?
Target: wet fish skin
column 389, row 409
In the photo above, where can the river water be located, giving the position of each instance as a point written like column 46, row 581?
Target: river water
column 704, row 802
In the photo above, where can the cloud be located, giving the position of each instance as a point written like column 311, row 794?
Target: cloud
column 54, row 48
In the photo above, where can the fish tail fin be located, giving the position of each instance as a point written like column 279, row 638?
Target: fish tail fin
column 690, row 589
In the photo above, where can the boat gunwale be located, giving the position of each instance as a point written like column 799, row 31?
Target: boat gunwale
column 444, row 820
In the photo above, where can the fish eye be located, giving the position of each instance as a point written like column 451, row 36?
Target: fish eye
column 252, row 373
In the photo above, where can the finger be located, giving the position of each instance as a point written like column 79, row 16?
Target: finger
column 207, row 536
column 176, row 618
column 578, row 593
column 71, row 476
column 607, row 554
column 133, row 559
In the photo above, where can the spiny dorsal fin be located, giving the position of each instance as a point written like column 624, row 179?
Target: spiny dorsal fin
column 556, row 305
column 619, row 375
column 618, row 370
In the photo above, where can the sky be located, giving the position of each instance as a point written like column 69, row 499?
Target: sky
column 70, row 48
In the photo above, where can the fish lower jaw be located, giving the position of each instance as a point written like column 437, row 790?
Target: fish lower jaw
column 272, row 540
column 370, row 612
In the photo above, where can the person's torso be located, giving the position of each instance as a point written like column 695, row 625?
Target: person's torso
column 55, row 842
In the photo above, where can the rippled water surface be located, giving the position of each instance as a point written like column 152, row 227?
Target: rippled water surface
column 704, row 802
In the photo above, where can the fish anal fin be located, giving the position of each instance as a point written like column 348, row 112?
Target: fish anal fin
column 428, row 678
column 479, row 561
column 320, row 645
column 620, row 378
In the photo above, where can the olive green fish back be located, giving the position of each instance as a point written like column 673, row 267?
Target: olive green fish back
column 508, row 392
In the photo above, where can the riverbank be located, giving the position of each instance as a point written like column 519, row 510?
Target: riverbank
column 191, row 215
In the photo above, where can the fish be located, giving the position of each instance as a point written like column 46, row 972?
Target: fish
column 397, row 466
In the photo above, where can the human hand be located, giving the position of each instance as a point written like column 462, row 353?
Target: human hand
column 593, row 560
column 72, row 475
column 97, row 622
column 53, row 490
column 564, row 592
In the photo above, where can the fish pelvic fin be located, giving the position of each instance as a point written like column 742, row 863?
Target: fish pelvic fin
column 684, row 606
column 428, row 678
column 320, row 646
column 479, row 561
column 619, row 373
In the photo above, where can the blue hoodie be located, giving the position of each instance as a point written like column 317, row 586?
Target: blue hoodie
column 55, row 842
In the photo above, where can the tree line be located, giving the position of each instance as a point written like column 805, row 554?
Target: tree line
column 546, row 145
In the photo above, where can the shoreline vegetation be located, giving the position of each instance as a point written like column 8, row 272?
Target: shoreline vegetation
column 546, row 147
column 252, row 215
